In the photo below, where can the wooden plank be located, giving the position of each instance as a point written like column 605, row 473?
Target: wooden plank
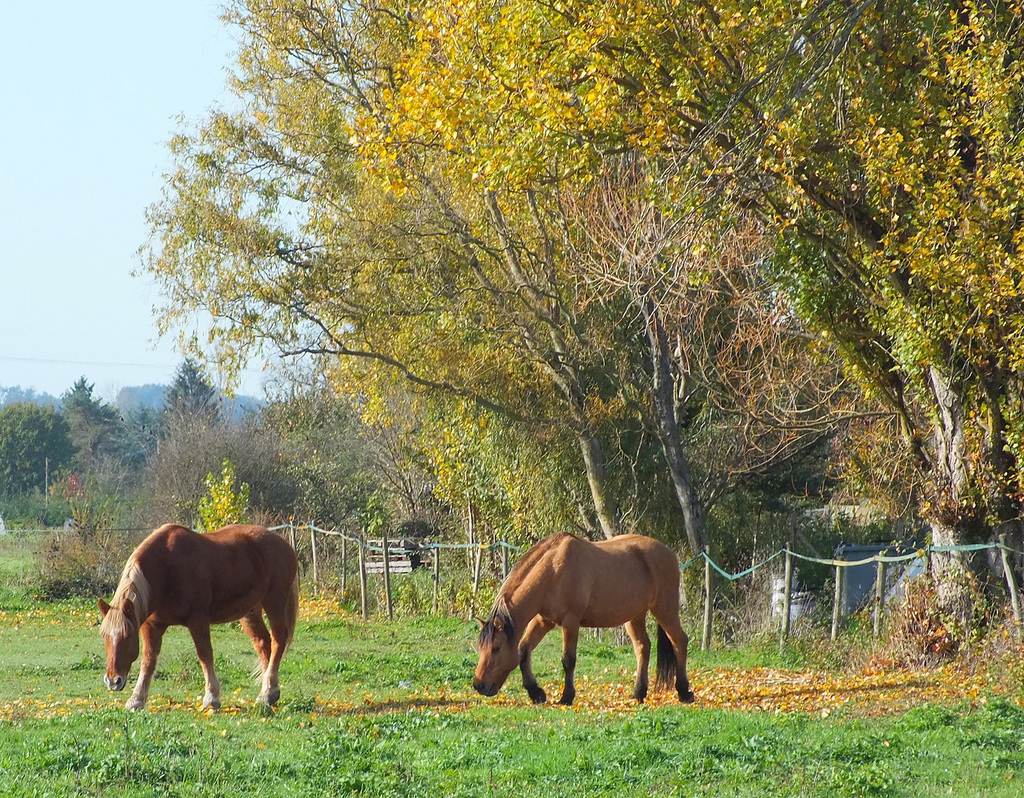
column 394, row 566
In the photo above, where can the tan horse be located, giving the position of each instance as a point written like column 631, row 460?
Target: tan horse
column 177, row 577
column 569, row 582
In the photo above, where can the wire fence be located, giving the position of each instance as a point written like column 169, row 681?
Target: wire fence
column 385, row 557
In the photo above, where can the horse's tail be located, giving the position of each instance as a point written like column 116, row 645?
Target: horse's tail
column 666, row 677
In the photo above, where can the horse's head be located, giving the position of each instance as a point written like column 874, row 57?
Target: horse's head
column 120, row 630
column 499, row 653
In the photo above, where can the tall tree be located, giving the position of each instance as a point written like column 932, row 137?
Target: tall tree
column 95, row 426
column 191, row 397
column 457, row 291
column 35, row 444
column 881, row 146
column 436, row 248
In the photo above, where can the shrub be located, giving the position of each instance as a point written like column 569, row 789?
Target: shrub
column 81, row 563
column 924, row 629
column 222, row 504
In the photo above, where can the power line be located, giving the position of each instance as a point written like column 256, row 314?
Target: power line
column 59, row 362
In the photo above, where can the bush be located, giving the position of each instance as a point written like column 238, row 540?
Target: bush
column 924, row 628
column 81, row 563
column 34, row 510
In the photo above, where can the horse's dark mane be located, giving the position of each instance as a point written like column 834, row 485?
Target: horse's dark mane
column 501, row 614
column 502, row 611
column 526, row 563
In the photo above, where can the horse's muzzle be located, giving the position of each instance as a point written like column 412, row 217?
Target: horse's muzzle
column 486, row 689
column 115, row 685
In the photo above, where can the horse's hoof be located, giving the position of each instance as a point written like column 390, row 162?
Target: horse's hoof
column 566, row 700
column 134, row 705
column 211, row 703
column 537, row 695
column 270, row 698
column 686, row 697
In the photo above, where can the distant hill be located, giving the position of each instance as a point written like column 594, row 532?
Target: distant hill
column 150, row 395
column 131, row 398
column 18, row 394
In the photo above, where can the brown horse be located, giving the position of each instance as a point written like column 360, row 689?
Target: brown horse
column 569, row 582
column 177, row 577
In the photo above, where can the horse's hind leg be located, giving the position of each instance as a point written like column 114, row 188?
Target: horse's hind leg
column 280, row 635
column 570, row 638
column 637, row 631
column 669, row 625
column 252, row 625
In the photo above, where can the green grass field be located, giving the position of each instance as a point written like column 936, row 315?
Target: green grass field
column 377, row 708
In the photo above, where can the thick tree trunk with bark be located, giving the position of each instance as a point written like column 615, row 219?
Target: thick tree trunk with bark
column 954, row 515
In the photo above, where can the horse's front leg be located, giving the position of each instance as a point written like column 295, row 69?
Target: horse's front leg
column 534, row 633
column 200, row 631
column 570, row 638
column 151, row 637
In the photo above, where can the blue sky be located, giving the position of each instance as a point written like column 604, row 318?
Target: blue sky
column 90, row 95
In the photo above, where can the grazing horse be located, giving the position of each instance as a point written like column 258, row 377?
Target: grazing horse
column 177, row 577
column 569, row 582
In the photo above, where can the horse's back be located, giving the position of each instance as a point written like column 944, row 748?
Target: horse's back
column 260, row 553
column 231, row 544
column 653, row 553
column 608, row 582
column 249, row 535
column 223, row 574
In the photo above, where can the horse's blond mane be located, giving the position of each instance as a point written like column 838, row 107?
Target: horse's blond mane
column 133, row 587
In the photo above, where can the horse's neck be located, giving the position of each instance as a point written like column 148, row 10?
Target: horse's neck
column 523, row 602
column 527, row 586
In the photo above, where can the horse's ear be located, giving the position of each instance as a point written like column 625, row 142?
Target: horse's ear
column 129, row 611
column 479, row 621
column 104, row 607
column 499, row 625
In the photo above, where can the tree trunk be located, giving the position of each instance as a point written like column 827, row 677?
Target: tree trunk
column 954, row 518
column 668, row 428
column 604, row 502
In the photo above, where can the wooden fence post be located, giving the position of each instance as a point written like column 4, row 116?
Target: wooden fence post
column 344, row 565
column 312, row 544
column 476, row 580
column 437, row 575
column 709, row 598
column 362, row 580
column 504, row 562
column 879, row 595
column 787, row 599
column 387, row 574
column 470, row 535
column 837, row 603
